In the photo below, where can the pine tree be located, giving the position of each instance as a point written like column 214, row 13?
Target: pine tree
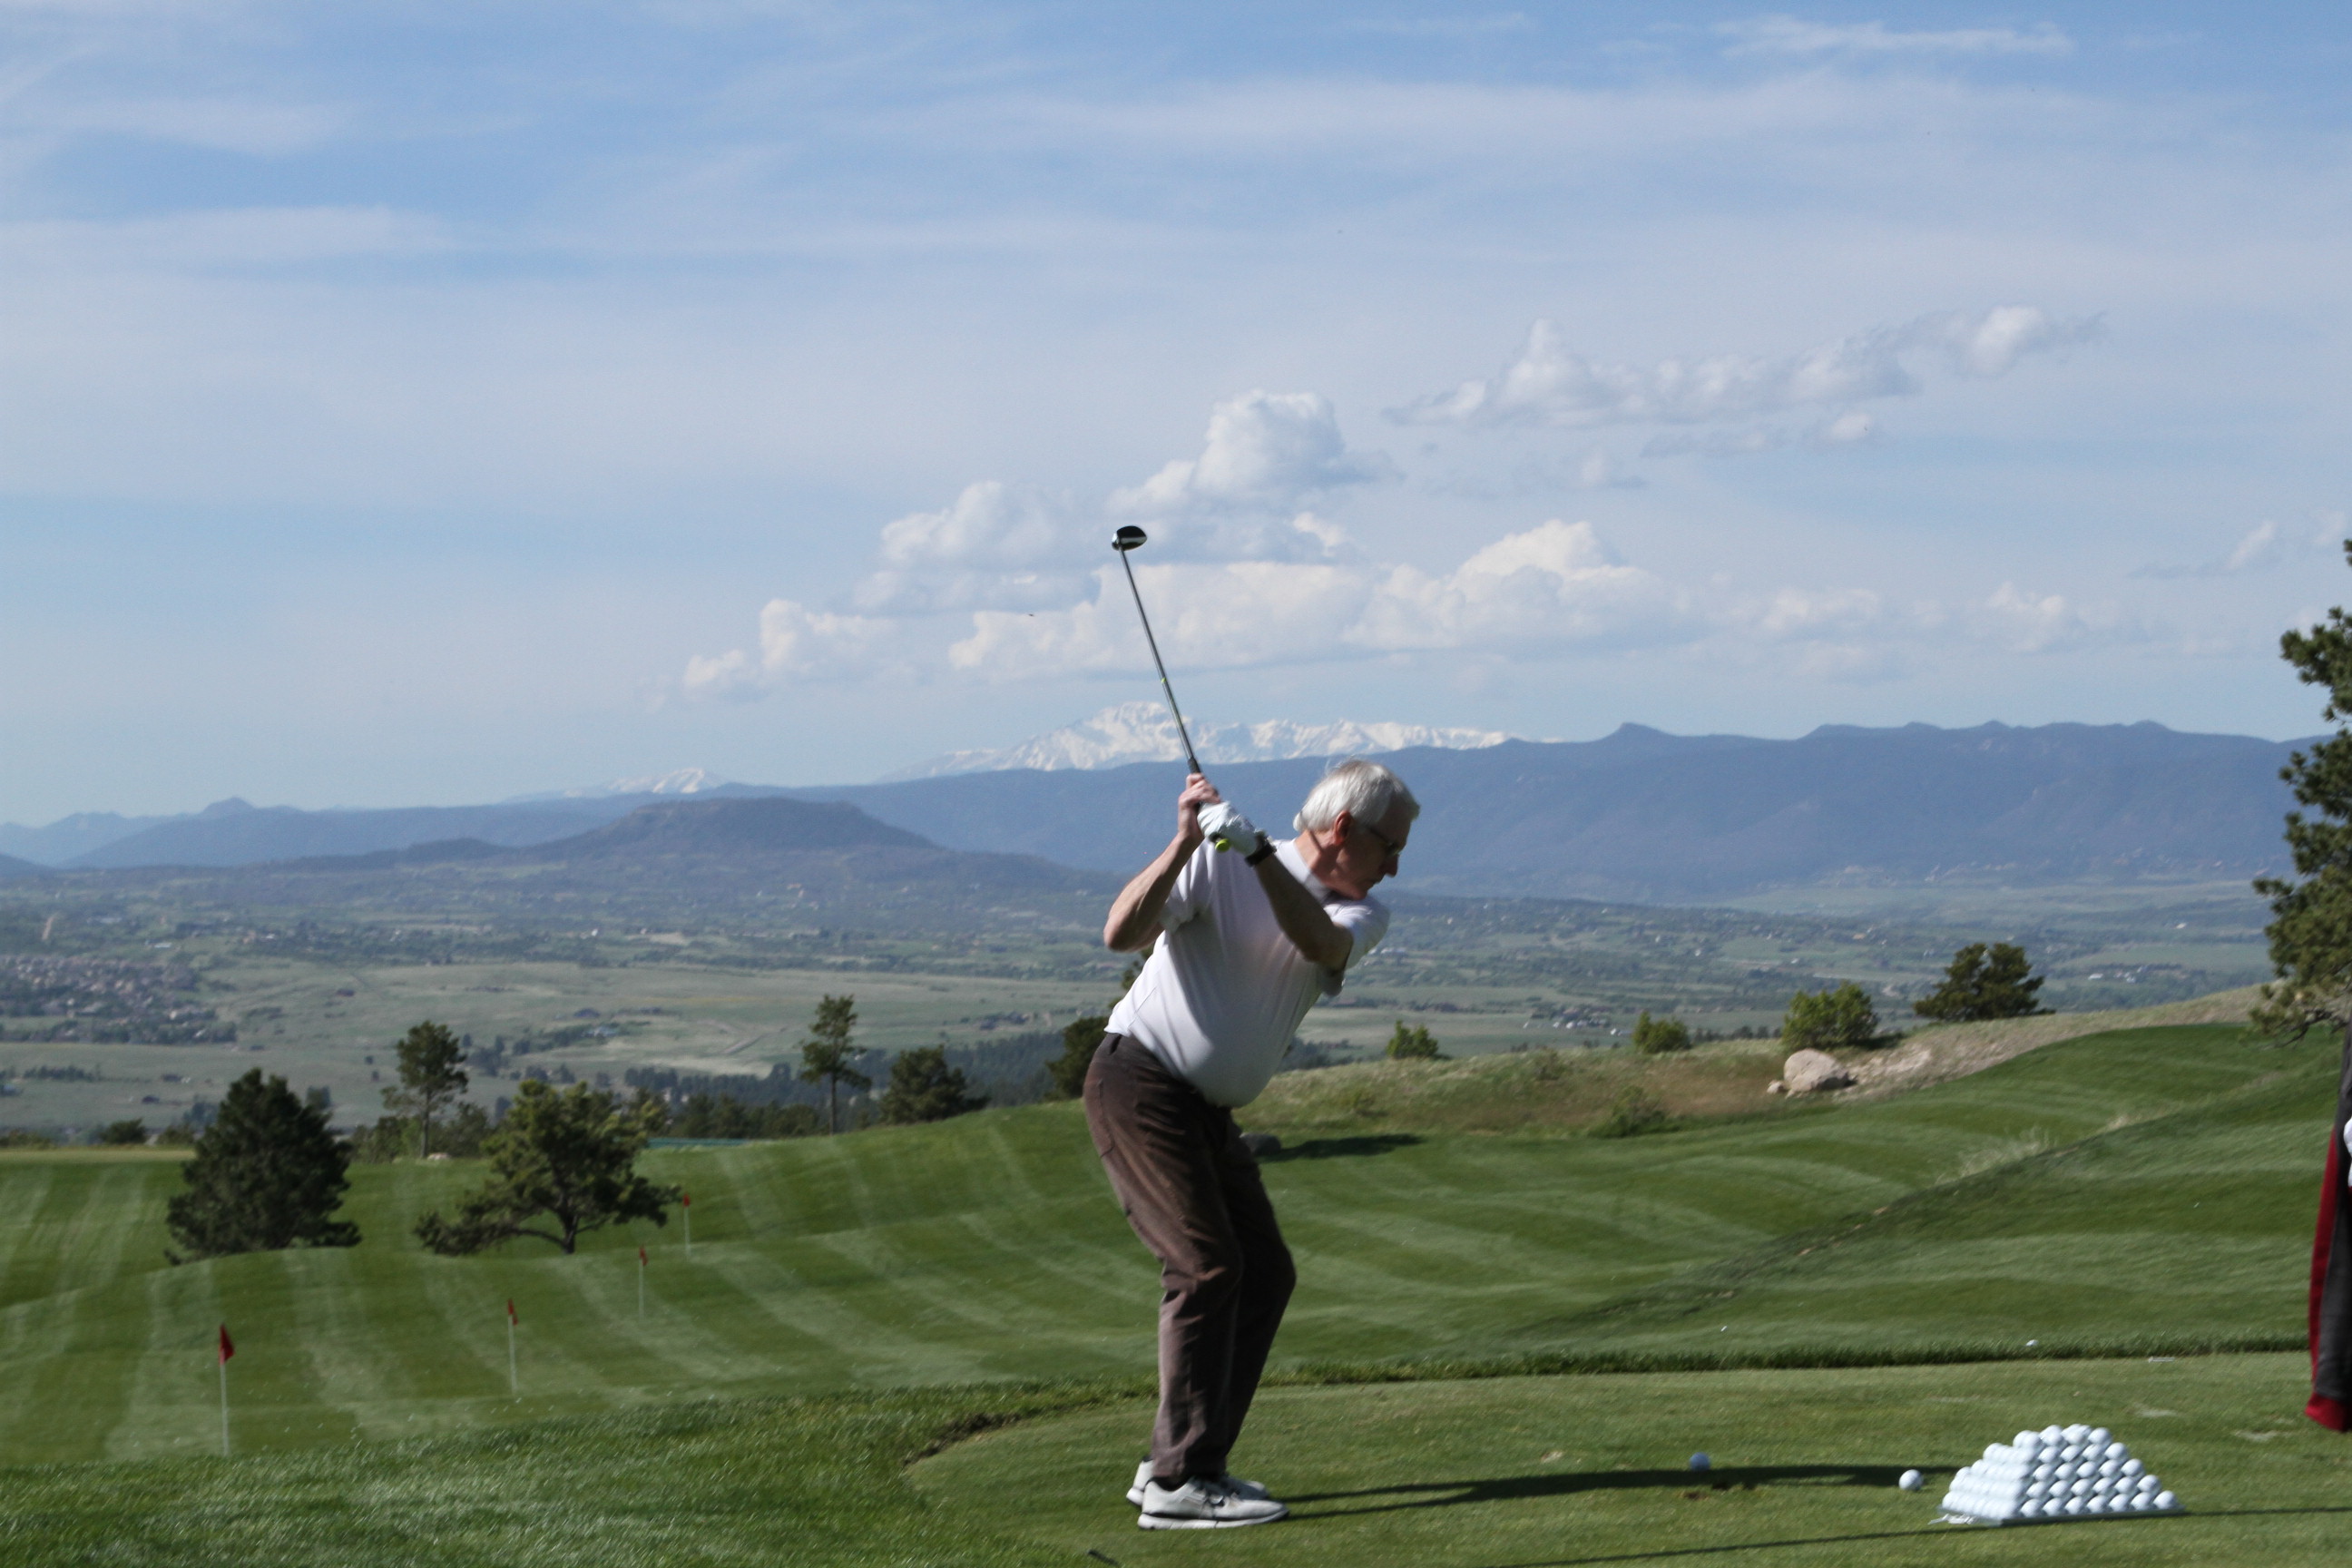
column 2311, row 931
column 1984, row 982
column 561, row 1164
column 1413, row 1042
column 430, row 1079
column 827, row 1055
column 1081, row 1038
column 267, row 1175
column 923, row 1087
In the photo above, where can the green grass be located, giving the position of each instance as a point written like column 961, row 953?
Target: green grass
column 988, row 1249
column 1559, row 1470
column 2146, row 1190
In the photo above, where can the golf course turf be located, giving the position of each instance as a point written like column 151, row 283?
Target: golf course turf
column 853, row 1303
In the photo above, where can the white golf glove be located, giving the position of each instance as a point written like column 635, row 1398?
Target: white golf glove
column 1227, row 828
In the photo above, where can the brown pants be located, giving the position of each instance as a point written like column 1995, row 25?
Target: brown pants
column 1193, row 1193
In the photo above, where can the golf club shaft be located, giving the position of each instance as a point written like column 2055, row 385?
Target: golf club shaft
column 1159, row 664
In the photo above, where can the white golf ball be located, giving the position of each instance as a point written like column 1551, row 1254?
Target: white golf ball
column 1910, row 1480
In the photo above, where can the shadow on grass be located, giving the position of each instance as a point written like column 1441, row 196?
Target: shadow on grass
column 1342, row 1148
column 1517, row 1488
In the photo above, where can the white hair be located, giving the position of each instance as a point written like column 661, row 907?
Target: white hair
column 1364, row 790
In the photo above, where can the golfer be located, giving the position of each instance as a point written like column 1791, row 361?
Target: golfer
column 1248, row 937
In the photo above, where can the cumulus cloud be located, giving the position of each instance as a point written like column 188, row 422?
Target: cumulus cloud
column 1789, row 36
column 1550, row 385
column 796, row 645
column 1264, row 451
column 2022, row 622
column 1554, row 587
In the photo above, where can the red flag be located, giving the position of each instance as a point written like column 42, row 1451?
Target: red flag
column 510, row 1312
column 641, row 1257
column 685, row 1198
column 227, row 1347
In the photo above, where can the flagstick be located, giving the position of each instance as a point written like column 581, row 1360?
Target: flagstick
column 514, row 1377
column 641, row 1283
column 685, row 1208
column 224, row 1371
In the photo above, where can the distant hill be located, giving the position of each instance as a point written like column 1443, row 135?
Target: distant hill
column 12, row 867
column 730, row 827
column 232, row 833
column 1642, row 815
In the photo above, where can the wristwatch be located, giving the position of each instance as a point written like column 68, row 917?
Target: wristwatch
column 1266, row 846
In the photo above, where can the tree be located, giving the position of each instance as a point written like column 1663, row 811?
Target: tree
column 430, row 1079
column 923, row 1087
column 568, row 1160
column 1081, row 1038
column 1656, row 1037
column 1984, row 982
column 1413, row 1042
column 827, row 1055
column 1826, row 1020
column 2311, row 931
column 267, row 1175
column 121, row 1134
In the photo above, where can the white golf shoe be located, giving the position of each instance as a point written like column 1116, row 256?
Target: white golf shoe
column 1204, row 1505
column 1240, row 1488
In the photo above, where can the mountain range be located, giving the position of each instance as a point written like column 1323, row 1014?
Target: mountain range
column 1637, row 814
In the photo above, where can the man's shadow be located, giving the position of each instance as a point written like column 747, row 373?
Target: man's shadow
column 1341, row 1148
column 1515, row 1489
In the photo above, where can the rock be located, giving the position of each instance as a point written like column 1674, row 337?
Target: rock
column 1261, row 1145
column 1810, row 1072
column 1777, row 1086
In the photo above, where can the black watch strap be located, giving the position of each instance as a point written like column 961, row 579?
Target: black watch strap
column 1266, row 846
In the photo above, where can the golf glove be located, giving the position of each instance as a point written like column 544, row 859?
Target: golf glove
column 1227, row 828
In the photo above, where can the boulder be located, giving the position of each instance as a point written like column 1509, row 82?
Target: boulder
column 1810, row 1072
column 1777, row 1086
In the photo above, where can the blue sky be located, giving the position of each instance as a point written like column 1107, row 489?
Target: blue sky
column 432, row 403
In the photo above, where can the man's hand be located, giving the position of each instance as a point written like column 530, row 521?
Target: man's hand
column 1198, row 792
column 1227, row 828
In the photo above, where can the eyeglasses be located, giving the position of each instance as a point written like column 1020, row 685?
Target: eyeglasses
column 1391, row 844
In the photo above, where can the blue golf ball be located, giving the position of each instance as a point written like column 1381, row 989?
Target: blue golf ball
column 1700, row 1461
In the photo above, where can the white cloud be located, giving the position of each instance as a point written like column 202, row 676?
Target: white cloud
column 1789, row 36
column 1264, row 451
column 1554, row 587
column 796, row 645
column 1548, row 384
column 2261, row 548
column 2022, row 622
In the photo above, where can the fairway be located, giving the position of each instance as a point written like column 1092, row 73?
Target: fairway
column 2140, row 1191
column 1561, row 1470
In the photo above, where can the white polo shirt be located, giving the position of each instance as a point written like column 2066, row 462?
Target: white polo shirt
column 1221, row 997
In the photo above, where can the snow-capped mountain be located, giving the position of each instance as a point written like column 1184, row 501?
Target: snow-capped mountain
column 679, row 781
column 1143, row 732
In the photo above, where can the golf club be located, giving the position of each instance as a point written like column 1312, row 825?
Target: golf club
column 1126, row 541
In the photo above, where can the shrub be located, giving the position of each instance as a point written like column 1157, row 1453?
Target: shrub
column 121, row 1134
column 1634, row 1113
column 1413, row 1042
column 1828, row 1020
column 1656, row 1037
column 724, row 1116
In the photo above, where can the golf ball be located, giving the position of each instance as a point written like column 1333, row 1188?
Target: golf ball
column 1910, row 1480
column 1700, row 1461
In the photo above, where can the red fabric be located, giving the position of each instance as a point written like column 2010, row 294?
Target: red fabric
column 2329, row 1412
column 511, row 1311
column 228, row 1349
column 685, row 1198
column 641, row 1257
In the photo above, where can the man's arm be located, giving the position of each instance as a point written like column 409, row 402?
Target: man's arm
column 1135, row 914
column 1319, row 938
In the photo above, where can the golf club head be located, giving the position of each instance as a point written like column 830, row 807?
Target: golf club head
column 1128, row 538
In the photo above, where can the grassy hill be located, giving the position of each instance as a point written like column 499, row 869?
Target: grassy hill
column 2170, row 1168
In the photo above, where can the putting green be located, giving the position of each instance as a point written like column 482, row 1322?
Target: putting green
column 1559, row 1470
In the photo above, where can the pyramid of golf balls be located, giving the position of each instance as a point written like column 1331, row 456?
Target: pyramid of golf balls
column 2059, row 1472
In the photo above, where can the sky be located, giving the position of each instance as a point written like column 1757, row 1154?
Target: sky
column 429, row 403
